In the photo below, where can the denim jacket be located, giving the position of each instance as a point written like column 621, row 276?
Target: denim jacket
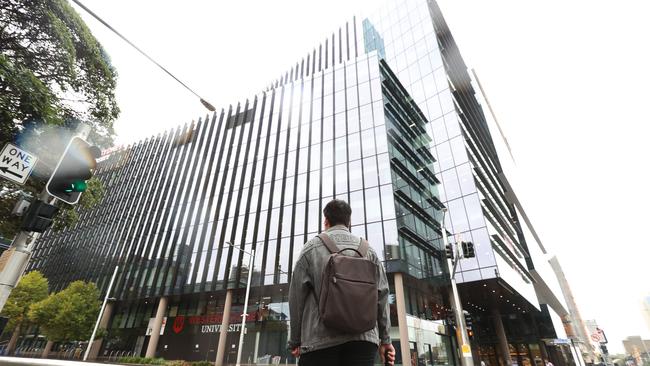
column 307, row 330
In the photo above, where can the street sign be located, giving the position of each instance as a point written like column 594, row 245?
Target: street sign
column 16, row 164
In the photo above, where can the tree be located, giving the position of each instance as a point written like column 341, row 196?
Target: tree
column 68, row 315
column 31, row 289
column 53, row 75
column 52, row 70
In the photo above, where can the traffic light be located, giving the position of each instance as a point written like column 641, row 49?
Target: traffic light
column 75, row 167
column 39, row 217
column 603, row 348
column 468, row 249
column 468, row 320
column 449, row 251
column 451, row 318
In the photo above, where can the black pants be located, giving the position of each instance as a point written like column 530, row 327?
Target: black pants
column 357, row 353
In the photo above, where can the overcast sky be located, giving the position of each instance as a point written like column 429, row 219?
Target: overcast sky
column 568, row 81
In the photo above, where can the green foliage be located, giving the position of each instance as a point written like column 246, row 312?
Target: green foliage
column 142, row 360
column 202, row 363
column 68, row 315
column 161, row 361
column 52, row 70
column 53, row 75
column 178, row 363
column 31, row 289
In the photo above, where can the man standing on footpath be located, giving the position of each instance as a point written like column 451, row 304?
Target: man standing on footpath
column 310, row 339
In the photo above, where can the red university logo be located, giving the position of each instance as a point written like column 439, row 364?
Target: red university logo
column 179, row 322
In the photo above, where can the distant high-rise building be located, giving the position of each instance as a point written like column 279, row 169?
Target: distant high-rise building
column 646, row 310
column 384, row 114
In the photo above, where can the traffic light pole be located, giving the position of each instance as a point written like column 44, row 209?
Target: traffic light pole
column 461, row 329
column 18, row 257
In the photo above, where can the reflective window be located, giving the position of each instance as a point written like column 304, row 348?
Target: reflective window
column 444, row 156
column 328, row 105
column 270, row 262
column 439, row 131
column 457, row 215
column 452, row 123
column 286, row 220
column 341, row 153
column 446, row 101
column 356, row 203
column 458, row 149
column 274, row 224
column 370, row 176
column 328, row 153
column 339, row 122
column 368, row 142
column 354, row 146
column 483, row 248
column 328, row 181
column 353, row 120
column 314, row 184
column 380, row 137
column 450, row 181
column 378, row 113
column 341, row 180
column 328, row 128
column 299, row 225
column 362, row 71
column 364, row 94
column 474, row 211
column 383, row 168
column 303, row 159
column 376, row 239
column 365, row 116
column 313, row 216
column 373, row 206
column 351, row 95
column 356, row 175
column 339, row 101
column 314, row 163
column 387, row 202
column 466, row 178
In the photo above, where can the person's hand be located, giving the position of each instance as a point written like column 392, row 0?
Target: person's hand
column 391, row 354
column 296, row 352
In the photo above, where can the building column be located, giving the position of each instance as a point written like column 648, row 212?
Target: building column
column 11, row 346
column 223, row 334
column 504, row 350
column 542, row 350
column 401, row 319
column 157, row 324
column 48, row 348
column 103, row 324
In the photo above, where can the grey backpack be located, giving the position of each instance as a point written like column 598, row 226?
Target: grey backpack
column 349, row 291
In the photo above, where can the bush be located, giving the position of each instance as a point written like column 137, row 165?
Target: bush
column 142, row 360
column 178, row 363
column 202, row 363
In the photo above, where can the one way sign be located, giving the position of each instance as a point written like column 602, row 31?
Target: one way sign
column 16, row 164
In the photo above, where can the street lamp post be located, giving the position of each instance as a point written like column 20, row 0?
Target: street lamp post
column 101, row 313
column 466, row 352
column 251, row 256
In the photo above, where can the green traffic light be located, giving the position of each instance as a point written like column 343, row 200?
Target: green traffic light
column 79, row 186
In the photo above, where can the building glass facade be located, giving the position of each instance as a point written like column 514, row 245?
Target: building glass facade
column 383, row 114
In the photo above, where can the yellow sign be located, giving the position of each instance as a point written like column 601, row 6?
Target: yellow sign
column 465, row 348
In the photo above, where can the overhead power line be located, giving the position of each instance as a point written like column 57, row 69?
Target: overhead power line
column 205, row 103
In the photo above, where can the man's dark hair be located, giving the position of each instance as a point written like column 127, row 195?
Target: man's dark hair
column 337, row 212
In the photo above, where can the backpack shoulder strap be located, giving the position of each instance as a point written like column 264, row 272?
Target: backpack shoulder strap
column 329, row 244
column 363, row 247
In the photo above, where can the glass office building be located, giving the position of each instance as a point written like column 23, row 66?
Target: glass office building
column 383, row 113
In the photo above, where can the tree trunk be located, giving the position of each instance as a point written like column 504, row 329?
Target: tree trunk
column 11, row 347
column 48, row 348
